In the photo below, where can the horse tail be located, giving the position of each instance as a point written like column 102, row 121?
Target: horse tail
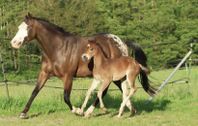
column 137, row 52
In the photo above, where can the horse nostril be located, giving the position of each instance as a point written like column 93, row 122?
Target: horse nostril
column 13, row 42
column 19, row 43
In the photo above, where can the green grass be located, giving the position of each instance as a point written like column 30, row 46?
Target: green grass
column 176, row 105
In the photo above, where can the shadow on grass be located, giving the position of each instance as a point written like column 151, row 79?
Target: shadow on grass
column 111, row 102
column 141, row 105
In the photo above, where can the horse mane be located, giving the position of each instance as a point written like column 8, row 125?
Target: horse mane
column 51, row 26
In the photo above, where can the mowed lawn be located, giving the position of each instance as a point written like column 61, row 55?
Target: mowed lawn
column 175, row 105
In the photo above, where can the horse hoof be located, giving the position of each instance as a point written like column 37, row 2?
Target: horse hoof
column 133, row 112
column 73, row 109
column 23, row 116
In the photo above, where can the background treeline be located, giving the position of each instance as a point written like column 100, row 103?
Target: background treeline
column 164, row 28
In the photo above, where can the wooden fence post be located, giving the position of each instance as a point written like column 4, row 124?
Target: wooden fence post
column 4, row 76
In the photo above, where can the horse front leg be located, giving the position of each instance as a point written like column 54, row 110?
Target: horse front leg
column 67, row 91
column 42, row 78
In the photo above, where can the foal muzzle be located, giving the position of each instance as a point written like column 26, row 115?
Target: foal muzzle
column 84, row 58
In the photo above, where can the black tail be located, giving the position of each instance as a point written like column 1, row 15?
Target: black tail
column 141, row 58
column 145, row 83
column 137, row 52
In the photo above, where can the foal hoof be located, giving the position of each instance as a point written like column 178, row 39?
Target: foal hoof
column 79, row 111
column 23, row 116
column 104, row 110
column 86, row 115
column 118, row 116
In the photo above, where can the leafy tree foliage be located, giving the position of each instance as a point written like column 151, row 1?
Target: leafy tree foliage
column 164, row 28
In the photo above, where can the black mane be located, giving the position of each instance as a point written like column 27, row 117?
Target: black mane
column 52, row 26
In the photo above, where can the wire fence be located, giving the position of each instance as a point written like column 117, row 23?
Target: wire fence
column 32, row 59
column 157, row 82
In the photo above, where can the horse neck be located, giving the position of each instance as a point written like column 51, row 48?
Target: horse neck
column 99, row 58
column 48, row 43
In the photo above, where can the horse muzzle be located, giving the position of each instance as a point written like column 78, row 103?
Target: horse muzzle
column 16, row 45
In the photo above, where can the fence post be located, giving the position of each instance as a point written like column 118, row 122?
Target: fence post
column 173, row 72
column 4, row 76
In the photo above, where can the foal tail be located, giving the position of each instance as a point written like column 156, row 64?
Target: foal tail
column 141, row 58
column 143, row 78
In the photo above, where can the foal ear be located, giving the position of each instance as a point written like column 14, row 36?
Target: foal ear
column 92, row 40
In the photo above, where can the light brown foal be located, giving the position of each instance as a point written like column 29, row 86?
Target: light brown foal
column 108, row 70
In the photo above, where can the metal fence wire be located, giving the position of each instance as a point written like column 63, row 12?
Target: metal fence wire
column 157, row 83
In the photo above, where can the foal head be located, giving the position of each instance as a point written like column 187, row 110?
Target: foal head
column 91, row 50
column 25, row 33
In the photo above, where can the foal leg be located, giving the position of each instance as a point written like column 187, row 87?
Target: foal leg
column 43, row 76
column 117, row 83
column 100, row 92
column 90, row 90
column 131, row 81
column 125, row 94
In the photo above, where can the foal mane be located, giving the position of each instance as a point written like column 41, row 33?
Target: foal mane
column 51, row 26
column 100, row 47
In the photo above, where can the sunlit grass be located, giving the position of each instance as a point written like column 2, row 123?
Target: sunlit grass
column 176, row 104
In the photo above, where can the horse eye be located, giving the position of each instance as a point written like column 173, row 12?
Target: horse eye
column 29, row 28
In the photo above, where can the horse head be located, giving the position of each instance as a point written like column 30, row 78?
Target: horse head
column 25, row 33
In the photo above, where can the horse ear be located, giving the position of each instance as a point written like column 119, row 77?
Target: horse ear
column 29, row 15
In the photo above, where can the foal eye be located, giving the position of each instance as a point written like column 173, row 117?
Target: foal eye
column 91, row 49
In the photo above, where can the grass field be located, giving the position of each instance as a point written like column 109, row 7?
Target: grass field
column 176, row 105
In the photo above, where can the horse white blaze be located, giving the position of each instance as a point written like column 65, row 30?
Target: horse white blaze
column 18, row 39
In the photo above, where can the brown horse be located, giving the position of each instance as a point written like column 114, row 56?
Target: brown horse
column 61, row 54
column 107, row 70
